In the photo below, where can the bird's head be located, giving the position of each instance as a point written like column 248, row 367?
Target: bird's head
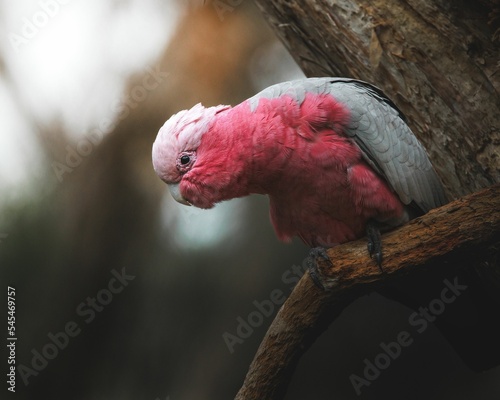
column 175, row 147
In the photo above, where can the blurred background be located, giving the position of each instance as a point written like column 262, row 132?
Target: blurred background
column 121, row 293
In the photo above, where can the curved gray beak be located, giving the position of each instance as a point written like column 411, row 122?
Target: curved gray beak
column 176, row 193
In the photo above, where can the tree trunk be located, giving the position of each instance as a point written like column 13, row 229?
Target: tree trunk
column 436, row 59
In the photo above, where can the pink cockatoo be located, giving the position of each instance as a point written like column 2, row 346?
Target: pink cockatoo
column 334, row 155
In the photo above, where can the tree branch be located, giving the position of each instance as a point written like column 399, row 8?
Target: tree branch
column 440, row 236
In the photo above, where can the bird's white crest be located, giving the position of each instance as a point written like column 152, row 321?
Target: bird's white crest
column 181, row 132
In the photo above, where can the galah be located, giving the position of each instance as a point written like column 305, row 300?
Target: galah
column 334, row 155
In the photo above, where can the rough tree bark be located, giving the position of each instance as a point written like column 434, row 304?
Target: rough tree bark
column 438, row 60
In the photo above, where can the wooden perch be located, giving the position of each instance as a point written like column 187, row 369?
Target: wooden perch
column 471, row 223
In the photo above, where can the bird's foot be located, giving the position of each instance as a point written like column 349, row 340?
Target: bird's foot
column 374, row 243
column 312, row 265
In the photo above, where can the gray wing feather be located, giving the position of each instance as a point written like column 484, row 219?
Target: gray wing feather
column 379, row 129
column 389, row 143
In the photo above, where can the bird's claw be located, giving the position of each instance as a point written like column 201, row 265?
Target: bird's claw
column 374, row 244
column 312, row 265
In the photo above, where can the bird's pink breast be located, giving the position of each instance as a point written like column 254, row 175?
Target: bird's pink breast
column 320, row 188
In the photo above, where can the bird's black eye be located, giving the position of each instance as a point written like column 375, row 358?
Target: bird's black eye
column 185, row 160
